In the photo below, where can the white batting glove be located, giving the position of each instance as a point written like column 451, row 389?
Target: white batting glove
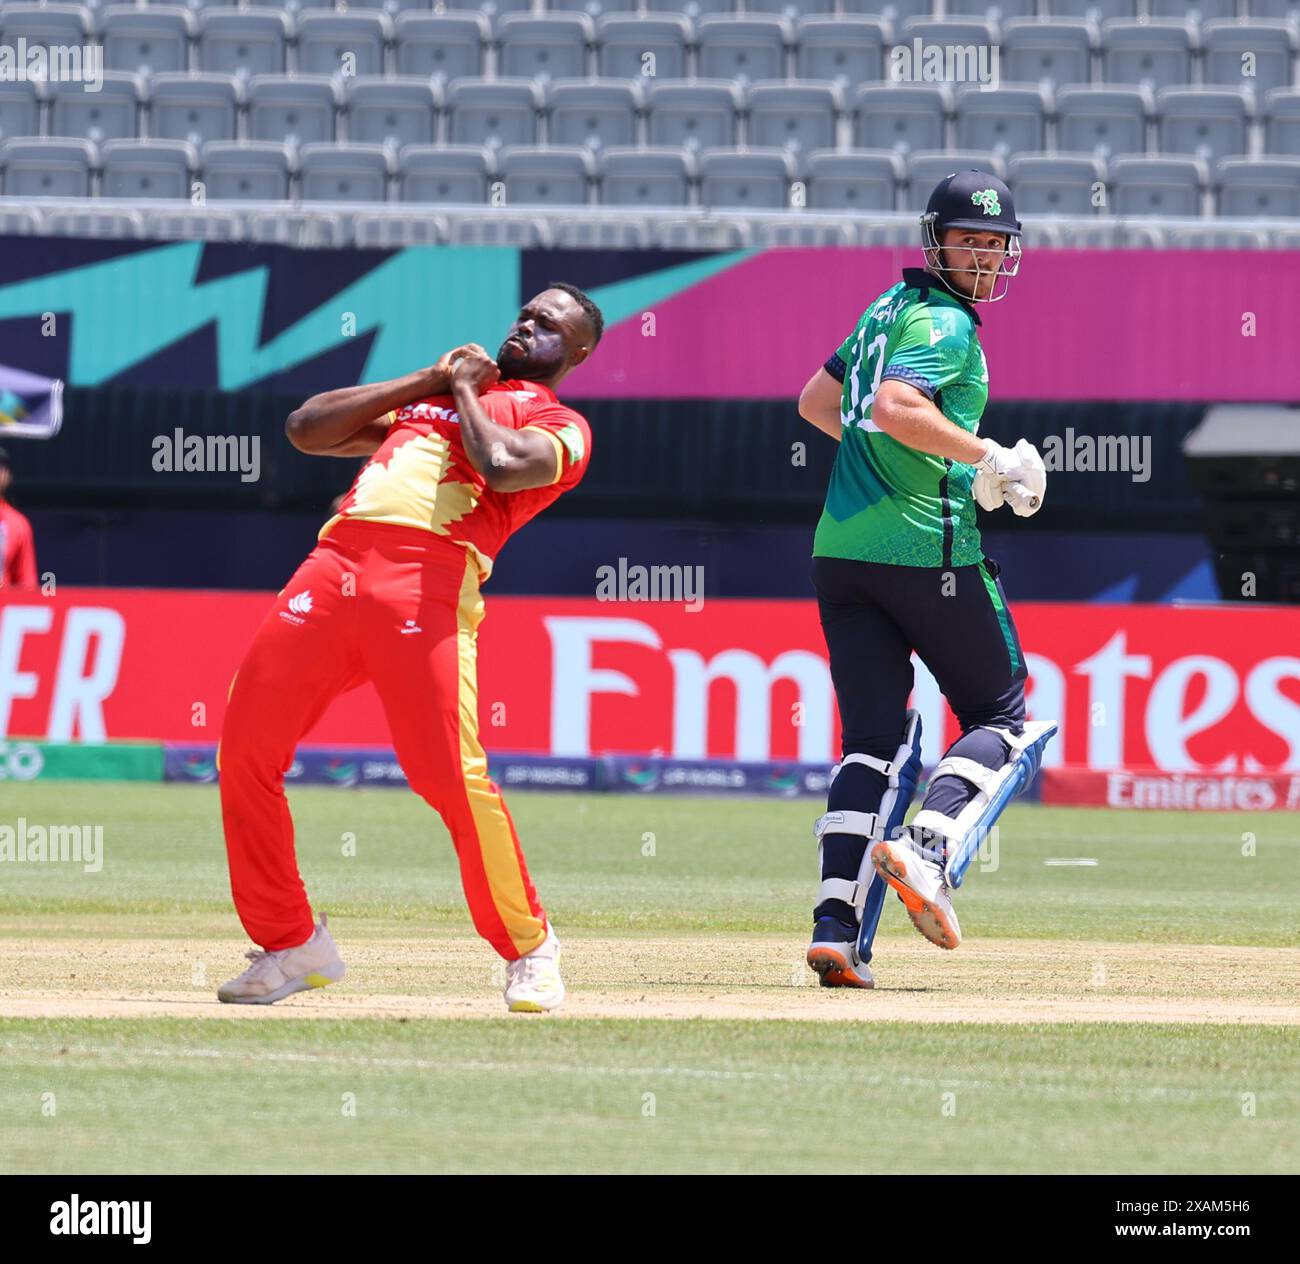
column 1020, row 472
column 988, row 490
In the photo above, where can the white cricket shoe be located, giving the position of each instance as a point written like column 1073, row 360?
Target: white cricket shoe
column 920, row 884
column 533, row 981
column 275, row 975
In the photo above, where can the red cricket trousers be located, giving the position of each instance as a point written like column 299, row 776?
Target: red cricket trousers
column 374, row 603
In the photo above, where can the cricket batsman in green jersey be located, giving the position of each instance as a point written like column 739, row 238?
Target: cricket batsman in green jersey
column 899, row 568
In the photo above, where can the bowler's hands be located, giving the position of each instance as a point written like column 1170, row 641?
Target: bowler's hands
column 472, row 367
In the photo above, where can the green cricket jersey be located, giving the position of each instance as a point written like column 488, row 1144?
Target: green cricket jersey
column 887, row 502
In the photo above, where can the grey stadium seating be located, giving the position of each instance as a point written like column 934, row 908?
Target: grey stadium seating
column 646, row 177
column 244, row 41
column 195, row 107
column 247, row 170
column 296, row 109
column 593, row 113
column 396, row 112
column 633, row 45
column 446, row 173
column 495, row 113
column 542, row 177
column 444, row 46
column 112, row 113
column 618, row 107
column 135, row 169
column 1157, row 186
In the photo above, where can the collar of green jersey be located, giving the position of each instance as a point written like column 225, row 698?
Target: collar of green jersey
column 920, row 279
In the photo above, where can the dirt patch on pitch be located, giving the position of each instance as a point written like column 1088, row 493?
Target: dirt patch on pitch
column 438, row 975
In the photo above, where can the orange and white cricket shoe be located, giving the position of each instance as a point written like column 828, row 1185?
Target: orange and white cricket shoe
column 920, row 885
column 833, row 955
column 275, row 975
column 533, row 981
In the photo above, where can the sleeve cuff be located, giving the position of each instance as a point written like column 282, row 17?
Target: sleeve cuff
column 836, row 367
column 902, row 374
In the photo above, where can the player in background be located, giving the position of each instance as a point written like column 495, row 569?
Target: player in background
column 461, row 455
column 17, row 544
column 898, row 567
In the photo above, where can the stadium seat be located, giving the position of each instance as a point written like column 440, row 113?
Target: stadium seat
column 337, row 43
column 1010, row 118
column 547, row 177
column 947, row 33
column 1273, row 8
column 646, row 177
column 146, row 41
column 20, row 109
column 138, row 169
column 46, row 24
column 790, row 8
column 448, row 173
column 1281, row 115
column 58, row 167
column 901, row 116
column 849, row 49
column 756, row 179
column 1094, row 10
column 1157, row 186
column 1262, row 187
column 497, row 9
column 799, row 117
column 593, row 113
column 895, row 11
column 344, row 173
column 743, row 48
column 860, row 181
column 382, row 230
column 592, row 7
column 1103, row 120
column 698, row 115
column 1004, row 9
column 243, row 41
column 247, row 170
column 1271, row 44
column 1059, row 50
column 692, row 8
column 1197, row 10
column 392, row 7
column 1155, row 53
column 544, row 46
column 925, row 170
column 194, row 107
column 1058, row 184
column 295, row 109
column 395, row 112
column 442, row 46
column 495, row 112
column 623, row 40
column 1207, row 122
column 112, row 113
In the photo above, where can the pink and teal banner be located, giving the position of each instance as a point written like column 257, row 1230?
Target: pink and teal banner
column 1078, row 324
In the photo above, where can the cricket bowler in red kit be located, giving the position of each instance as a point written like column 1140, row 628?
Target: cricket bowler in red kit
column 461, row 455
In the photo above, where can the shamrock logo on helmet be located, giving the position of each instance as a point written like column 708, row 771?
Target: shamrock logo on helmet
column 987, row 201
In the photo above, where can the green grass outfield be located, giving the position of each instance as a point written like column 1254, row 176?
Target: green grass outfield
column 727, row 877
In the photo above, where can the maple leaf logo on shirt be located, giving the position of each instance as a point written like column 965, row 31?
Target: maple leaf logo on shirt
column 409, row 487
